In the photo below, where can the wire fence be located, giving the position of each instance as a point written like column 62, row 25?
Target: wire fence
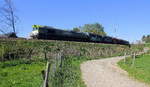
column 53, row 66
column 55, row 53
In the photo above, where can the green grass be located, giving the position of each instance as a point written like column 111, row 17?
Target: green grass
column 19, row 73
column 141, row 69
column 15, row 49
column 70, row 74
column 147, row 44
column 12, row 72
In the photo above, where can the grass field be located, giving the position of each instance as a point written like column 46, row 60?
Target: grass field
column 28, row 73
column 19, row 73
column 141, row 69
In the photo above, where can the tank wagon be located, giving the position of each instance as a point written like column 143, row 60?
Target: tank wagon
column 50, row 33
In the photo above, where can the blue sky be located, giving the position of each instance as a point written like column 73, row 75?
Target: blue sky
column 130, row 17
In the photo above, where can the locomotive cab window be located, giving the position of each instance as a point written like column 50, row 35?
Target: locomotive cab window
column 34, row 28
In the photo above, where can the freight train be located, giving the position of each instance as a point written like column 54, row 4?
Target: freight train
column 50, row 33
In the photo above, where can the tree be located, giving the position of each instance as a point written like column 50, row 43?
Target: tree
column 94, row 28
column 8, row 18
column 76, row 29
column 146, row 38
column 143, row 38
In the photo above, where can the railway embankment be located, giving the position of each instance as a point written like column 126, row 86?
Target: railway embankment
column 28, row 58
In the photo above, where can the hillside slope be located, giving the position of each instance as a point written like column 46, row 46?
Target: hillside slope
column 72, row 55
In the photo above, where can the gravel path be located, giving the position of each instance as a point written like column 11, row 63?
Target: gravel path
column 105, row 73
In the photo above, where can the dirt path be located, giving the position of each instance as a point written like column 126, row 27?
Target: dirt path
column 105, row 73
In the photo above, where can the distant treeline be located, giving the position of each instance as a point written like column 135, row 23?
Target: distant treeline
column 146, row 39
column 94, row 28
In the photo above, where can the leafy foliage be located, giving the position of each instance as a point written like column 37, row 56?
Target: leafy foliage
column 94, row 28
column 76, row 29
column 69, row 74
column 146, row 39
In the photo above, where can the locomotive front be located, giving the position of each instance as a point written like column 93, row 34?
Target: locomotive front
column 35, row 32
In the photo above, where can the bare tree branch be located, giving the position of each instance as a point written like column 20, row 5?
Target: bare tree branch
column 8, row 17
column 2, row 31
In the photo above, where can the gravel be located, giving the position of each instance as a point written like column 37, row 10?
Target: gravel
column 106, row 73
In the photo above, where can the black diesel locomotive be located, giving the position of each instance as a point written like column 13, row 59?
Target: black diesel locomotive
column 50, row 33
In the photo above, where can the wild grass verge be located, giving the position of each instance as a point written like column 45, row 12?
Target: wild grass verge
column 141, row 68
column 69, row 75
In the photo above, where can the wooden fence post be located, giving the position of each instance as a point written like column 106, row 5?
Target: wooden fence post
column 45, row 83
column 133, row 61
column 125, row 57
column 3, row 53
